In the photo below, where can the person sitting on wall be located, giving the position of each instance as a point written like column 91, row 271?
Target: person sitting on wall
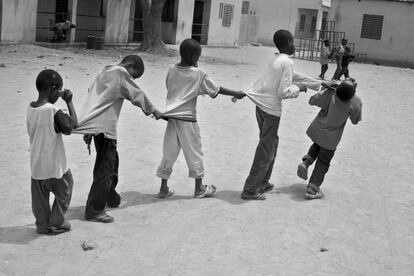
column 60, row 30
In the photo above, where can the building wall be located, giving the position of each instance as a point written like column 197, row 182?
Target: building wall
column 90, row 19
column 219, row 35
column 396, row 44
column 117, row 21
column 18, row 21
column 249, row 26
column 282, row 14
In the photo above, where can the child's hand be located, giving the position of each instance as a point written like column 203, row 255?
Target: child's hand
column 302, row 87
column 87, row 138
column 240, row 95
column 329, row 84
column 157, row 114
column 67, row 95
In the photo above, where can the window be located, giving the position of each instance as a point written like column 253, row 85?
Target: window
column 221, row 10
column 372, row 26
column 302, row 22
column 313, row 25
column 227, row 15
column 168, row 11
column 245, row 7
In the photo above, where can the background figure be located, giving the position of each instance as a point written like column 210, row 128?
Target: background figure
column 346, row 58
column 338, row 53
column 60, row 30
column 324, row 58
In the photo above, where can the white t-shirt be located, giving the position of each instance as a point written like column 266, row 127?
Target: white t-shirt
column 47, row 152
column 184, row 85
column 277, row 84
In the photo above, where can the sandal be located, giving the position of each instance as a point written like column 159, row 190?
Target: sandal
column 165, row 195
column 103, row 218
column 302, row 171
column 208, row 192
column 252, row 196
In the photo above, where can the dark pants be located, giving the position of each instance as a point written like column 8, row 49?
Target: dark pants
column 105, row 176
column 323, row 159
column 344, row 71
column 41, row 189
column 324, row 68
column 265, row 152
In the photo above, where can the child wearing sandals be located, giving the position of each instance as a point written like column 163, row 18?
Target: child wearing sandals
column 185, row 82
column 337, row 105
column 49, row 170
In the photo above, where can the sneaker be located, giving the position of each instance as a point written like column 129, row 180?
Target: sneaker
column 313, row 192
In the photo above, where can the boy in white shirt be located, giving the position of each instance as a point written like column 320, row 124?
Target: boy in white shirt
column 185, row 82
column 99, row 119
column 267, row 93
column 49, row 171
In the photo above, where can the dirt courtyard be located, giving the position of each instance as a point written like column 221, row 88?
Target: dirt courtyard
column 363, row 226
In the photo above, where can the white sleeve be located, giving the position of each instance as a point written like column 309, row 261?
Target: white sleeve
column 309, row 82
column 209, row 87
column 287, row 89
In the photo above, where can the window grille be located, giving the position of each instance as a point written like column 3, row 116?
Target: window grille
column 245, row 7
column 372, row 26
column 227, row 15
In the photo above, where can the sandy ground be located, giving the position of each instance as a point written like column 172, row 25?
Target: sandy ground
column 365, row 222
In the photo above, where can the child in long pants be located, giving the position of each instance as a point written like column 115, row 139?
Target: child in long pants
column 49, row 170
column 326, row 131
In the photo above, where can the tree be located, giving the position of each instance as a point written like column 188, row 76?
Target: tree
column 151, row 15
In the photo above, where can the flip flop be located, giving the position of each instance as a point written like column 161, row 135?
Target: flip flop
column 208, row 192
column 162, row 195
column 105, row 218
column 252, row 196
column 266, row 189
column 302, row 171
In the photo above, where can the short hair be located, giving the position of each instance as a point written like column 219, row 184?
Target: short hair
column 48, row 78
column 345, row 90
column 347, row 48
column 344, row 40
column 281, row 38
column 189, row 47
column 134, row 60
column 326, row 41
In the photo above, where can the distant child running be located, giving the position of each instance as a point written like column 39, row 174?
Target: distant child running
column 99, row 118
column 49, row 170
column 346, row 58
column 338, row 53
column 324, row 58
column 185, row 82
column 326, row 131
column 267, row 93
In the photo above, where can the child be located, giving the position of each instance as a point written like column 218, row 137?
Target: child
column 50, row 173
column 267, row 93
column 326, row 131
column 338, row 53
column 99, row 118
column 346, row 58
column 324, row 58
column 185, row 82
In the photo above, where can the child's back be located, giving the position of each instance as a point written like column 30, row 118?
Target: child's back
column 327, row 128
column 184, row 85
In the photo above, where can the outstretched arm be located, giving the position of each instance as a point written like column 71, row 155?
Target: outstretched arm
column 229, row 92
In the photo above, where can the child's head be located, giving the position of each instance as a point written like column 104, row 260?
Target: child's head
column 49, row 84
column 283, row 40
column 326, row 43
column 348, row 49
column 190, row 51
column 346, row 89
column 134, row 65
column 344, row 41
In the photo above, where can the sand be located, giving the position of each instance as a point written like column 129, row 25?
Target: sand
column 363, row 226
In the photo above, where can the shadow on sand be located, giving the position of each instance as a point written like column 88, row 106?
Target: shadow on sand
column 296, row 191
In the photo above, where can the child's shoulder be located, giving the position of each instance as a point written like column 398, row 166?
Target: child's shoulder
column 282, row 59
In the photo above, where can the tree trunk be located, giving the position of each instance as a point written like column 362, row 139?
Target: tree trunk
column 151, row 14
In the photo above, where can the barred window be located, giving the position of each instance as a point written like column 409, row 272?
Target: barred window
column 302, row 22
column 245, row 7
column 227, row 15
column 372, row 26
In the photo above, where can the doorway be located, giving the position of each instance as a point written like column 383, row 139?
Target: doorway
column 198, row 26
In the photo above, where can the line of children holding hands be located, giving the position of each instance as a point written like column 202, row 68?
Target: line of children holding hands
column 185, row 82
